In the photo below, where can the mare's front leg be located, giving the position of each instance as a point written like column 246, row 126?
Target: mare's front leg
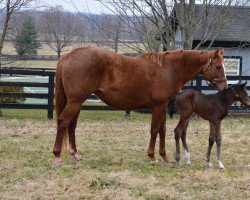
column 218, row 143
column 158, row 114
column 162, row 133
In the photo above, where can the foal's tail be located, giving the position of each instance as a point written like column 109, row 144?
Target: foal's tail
column 61, row 99
column 171, row 107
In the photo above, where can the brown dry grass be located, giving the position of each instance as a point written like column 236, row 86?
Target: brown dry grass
column 115, row 164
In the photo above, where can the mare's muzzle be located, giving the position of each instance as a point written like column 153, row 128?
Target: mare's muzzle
column 214, row 82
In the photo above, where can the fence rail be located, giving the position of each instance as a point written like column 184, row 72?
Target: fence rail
column 198, row 84
column 6, row 57
column 31, row 72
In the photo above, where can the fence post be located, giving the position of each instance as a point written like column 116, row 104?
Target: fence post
column 51, row 96
column 199, row 83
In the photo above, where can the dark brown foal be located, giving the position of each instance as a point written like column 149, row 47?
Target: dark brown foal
column 212, row 107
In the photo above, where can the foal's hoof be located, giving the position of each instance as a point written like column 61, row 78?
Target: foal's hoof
column 77, row 157
column 221, row 165
column 58, row 160
column 154, row 162
column 179, row 163
column 188, row 163
column 209, row 164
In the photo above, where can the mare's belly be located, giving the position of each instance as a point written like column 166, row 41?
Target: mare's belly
column 124, row 100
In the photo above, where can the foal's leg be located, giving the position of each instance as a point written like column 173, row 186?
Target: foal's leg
column 178, row 133
column 69, row 112
column 162, row 133
column 184, row 143
column 72, row 140
column 210, row 143
column 157, row 117
column 218, row 143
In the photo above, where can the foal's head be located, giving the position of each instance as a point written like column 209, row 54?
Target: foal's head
column 214, row 70
column 240, row 93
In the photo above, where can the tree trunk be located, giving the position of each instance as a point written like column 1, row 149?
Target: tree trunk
column 5, row 26
column 58, row 54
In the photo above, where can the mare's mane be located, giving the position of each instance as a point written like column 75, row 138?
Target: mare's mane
column 189, row 57
column 155, row 57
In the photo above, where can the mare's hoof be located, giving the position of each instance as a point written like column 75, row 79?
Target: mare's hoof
column 77, row 157
column 58, row 160
column 179, row 163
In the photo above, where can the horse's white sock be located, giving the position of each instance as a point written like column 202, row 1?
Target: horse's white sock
column 220, row 164
column 187, row 157
column 209, row 164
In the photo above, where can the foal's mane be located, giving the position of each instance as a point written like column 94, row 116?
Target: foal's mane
column 224, row 92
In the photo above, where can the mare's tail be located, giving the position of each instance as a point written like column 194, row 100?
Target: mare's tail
column 171, row 107
column 61, row 99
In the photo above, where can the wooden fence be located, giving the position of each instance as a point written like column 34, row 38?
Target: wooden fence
column 7, row 57
column 198, row 84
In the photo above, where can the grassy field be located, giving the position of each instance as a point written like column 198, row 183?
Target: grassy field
column 115, row 163
column 45, row 50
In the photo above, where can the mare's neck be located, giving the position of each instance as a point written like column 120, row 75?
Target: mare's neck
column 193, row 63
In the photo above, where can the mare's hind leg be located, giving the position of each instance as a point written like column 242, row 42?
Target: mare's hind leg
column 157, row 117
column 184, row 143
column 72, row 140
column 69, row 112
column 162, row 133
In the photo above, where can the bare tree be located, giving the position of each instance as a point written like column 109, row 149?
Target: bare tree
column 8, row 8
column 209, row 17
column 60, row 29
column 106, row 30
column 143, row 19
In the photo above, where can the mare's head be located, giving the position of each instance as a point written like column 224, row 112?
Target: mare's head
column 214, row 70
column 240, row 93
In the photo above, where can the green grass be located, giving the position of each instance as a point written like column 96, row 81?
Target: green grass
column 115, row 163
column 84, row 115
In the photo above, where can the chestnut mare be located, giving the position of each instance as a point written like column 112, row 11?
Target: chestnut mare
column 145, row 81
column 212, row 107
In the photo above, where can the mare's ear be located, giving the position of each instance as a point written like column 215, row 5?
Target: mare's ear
column 219, row 51
column 222, row 51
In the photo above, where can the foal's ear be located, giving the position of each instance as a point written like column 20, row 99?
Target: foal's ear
column 244, row 84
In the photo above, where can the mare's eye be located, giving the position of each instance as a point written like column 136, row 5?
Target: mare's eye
column 218, row 67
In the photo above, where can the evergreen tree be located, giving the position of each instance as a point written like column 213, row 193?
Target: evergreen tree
column 26, row 42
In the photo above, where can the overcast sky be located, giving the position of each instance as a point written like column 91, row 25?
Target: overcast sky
column 92, row 6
